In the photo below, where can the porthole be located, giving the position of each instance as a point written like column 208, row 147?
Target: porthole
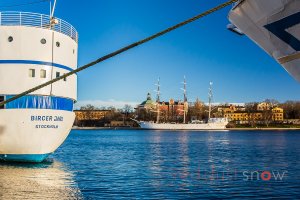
column 58, row 44
column 10, row 38
column 43, row 41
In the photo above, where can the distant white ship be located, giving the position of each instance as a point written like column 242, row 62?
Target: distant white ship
column 211, row 124
column 34, row 49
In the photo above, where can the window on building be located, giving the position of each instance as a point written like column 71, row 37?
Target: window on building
column 57, row 74
column 31, row 72
column 1, row 99
column 43, row 73
column 65, row 78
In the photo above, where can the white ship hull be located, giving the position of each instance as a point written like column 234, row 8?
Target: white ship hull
column 169, row 126
column 31, row 134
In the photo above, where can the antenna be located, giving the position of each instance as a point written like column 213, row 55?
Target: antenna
column 52, row 9
column 210, row 96
column 53, row 21
column 158, row 100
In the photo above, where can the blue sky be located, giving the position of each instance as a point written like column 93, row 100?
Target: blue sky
column 203, row 51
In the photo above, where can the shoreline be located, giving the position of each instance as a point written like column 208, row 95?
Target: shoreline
column 227, row 129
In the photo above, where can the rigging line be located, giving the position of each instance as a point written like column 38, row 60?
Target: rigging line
column 117, row 52
column 24, row 4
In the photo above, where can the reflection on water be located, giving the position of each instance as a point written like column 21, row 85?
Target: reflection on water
column 48, row 180
column 182, row 164
column 120, row 164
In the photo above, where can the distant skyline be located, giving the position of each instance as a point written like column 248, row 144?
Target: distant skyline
column 202, row 51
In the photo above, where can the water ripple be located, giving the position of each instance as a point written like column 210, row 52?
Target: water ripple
column 120, row 164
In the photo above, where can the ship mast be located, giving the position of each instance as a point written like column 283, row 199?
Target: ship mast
column 53, row 21
column 184, row 99
column 210, row 96
column 52, row 9
column 158, row 100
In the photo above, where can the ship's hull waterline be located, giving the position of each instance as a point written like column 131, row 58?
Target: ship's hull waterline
column 31, row 135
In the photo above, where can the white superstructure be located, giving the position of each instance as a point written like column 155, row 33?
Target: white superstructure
column 34, row 49
column 274, row 26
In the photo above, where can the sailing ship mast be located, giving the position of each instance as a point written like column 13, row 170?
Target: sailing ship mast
column 184, row 100
column 210, row 96
column 158, row 100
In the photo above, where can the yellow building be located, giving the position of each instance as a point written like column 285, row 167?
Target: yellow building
column 277, row 114
column 230, row 108
column 263, row 106
column 244, row 117
column 90, row 114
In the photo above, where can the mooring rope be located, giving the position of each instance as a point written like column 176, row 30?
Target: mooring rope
column 121, row 50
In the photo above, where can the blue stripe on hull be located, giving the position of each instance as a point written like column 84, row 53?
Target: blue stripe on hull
column 23, row 157
column 35, row 62
column 40, row 102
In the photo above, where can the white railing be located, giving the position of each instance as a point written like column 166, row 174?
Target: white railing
column 12, row 18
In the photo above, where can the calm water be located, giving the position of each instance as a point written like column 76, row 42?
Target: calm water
column 120, row 164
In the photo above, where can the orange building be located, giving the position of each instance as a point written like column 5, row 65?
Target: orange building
column 169, row 110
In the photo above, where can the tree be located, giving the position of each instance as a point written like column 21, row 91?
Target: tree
column 127, row 108
column 272, row 102
column 251, row 109
column 196, row 111
column 88, row 107
column 291, row 109
column 267, row 116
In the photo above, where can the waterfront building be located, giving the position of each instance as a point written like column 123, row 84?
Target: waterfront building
column 173, row 108
column 169, row 110
column 277, row 114
column 230, row 108
column 91, row 114
column 264, row 106
column 243, row 117
column 91, row 117
column 148, row 104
